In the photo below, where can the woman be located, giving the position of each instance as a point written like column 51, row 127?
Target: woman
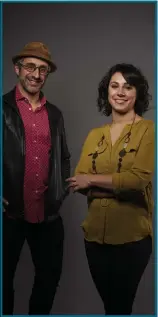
column 115, row 172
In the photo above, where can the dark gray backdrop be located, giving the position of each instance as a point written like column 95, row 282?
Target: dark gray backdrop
column 85, row 40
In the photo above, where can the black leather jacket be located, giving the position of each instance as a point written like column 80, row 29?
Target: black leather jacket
column 14, row 159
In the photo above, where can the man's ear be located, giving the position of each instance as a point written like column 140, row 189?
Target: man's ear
column 17, row 70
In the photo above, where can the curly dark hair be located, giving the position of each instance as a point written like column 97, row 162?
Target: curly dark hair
column 133, row 77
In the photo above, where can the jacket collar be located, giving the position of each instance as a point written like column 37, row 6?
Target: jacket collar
column 53, row 112
column 10, row 97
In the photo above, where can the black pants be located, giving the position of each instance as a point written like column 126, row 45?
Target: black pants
column 45, row 241
column 116, row 271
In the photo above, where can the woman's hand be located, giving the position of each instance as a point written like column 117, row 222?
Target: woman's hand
column 84, row 181
column 81, row 181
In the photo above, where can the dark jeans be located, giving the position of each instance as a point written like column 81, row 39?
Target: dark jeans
column 45, row 241
column 116, row 271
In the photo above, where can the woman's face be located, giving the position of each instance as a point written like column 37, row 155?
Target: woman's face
column 121, row 95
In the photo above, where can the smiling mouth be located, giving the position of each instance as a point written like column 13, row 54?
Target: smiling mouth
column 120, row 100
column 34, row 83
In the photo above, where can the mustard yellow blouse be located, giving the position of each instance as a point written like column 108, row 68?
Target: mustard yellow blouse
column 128, row 215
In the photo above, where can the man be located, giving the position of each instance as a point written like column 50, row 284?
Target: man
column 36, row 162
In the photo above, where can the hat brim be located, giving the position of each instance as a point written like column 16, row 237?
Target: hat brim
column 53, row 67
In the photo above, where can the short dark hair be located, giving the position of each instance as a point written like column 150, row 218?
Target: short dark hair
column 133, row 77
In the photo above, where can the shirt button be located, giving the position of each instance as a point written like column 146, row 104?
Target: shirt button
column 34, row 141
column 33, row 125
column 36, row 191
column 29, row 108
column 36, row 157
column 37, row 175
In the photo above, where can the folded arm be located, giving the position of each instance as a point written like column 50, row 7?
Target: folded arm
column 137, row 178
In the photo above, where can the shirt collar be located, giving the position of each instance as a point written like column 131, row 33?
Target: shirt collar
column 19, row 96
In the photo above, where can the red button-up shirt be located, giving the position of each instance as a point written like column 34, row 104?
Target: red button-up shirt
column 37, row 147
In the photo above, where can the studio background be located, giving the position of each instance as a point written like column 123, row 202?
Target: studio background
column 85, row 40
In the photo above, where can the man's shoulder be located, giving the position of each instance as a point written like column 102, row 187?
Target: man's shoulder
column 53, row 111
column 53, row 107
column 8, row 99
column 9, row 95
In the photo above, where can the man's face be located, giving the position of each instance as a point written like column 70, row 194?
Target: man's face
column 32, row 79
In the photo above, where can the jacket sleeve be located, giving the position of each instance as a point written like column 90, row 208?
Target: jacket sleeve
column 141, row 172
column 65, row 155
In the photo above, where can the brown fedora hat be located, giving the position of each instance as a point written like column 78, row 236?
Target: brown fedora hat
column 37, row 50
